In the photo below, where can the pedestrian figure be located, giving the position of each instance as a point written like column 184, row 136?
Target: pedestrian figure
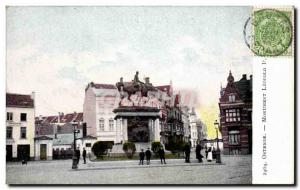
column 206, row 152
column 161, row 154
column 214, row 153
column 84, row 156
column 142, row 156
column 198, row 153
column 209, row 155
column 148, row 156
column 187, row 151
column 77, row 155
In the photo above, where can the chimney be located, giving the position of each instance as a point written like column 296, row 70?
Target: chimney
column 250, row 77
column 244, row 76
column 147, row 80
column 32, row 95
column 92, row 84
column 40, row 117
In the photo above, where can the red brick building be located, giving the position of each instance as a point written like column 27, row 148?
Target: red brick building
column 236, row 115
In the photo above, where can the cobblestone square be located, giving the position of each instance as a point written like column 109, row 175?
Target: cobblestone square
column 233, row 170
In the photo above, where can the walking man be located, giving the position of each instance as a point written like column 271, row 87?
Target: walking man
column 206, row 152
column 84, row 156
column 142, row 156
column 198, row 153
column 161, row 153
column 78, row 155
column 148, row 156
column 187, row 151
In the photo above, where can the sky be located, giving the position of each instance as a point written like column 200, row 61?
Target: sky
column 57, row 51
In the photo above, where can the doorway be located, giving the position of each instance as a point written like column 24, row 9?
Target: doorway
column 43, row 152
column 23, row 152
column 9, row 152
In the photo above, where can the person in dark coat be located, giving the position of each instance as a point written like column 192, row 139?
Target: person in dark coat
column 187, row 151
column 84, row 156
column 77, row 155
column 148, row 156
column 214, row 153
column 198, row 153
column 161, row 154
column 206, row 152
column 142, row 156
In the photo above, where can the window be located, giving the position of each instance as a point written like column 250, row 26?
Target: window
column 232, row 115
column 234, row 137
column 101, row 124
column 231, row 98
column 111, row 125
column 9, row 116
column 23, row 117
column 23, row 132
column 9, row 131
column 88, row 145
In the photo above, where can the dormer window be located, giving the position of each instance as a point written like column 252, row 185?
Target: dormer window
column 231, row 98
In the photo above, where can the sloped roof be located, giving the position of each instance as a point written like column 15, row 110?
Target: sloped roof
column 65, row 118
column 245, row 89
column 19, row 100
column 104, row 86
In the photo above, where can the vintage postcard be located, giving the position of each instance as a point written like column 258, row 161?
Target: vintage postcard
column 150, row 95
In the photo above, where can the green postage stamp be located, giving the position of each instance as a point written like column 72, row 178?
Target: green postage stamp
column 273, row 32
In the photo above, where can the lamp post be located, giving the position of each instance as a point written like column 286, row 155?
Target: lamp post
column 74, row 157
column 218, row 153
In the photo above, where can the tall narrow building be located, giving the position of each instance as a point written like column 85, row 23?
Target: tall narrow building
column 236, row 115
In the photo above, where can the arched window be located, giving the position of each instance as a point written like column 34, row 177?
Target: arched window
column 111, row 124
column 101, row 124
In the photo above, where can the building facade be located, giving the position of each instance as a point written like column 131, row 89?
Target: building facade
column 175, row 123
column 99, row 102
column 186, row 124
column 201, row 131
column 193, row 126
column 20, row 112
column 236, row 115
column 54, row 137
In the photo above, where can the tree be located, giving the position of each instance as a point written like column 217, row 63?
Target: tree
column 175, row 147
column 100, row 147
column 129, row 149
column 155, row 147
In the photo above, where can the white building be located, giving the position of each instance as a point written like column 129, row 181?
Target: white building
column 186, row 123
column 20, row 112
column 193, row 128
column 202, row 130
column 99, row 102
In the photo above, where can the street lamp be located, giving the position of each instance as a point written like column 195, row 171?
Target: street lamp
column 218, row 154
column 74, row 157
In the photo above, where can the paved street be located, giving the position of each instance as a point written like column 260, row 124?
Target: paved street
column 233, row 170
